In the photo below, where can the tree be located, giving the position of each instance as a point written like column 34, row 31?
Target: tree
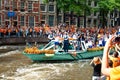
column 77, row 7
column 105, row 7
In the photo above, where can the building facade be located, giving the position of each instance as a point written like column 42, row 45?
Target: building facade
column 34, row 12
column 27, row 13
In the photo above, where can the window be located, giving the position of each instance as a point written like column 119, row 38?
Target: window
column 6, row 17
column 95, row 3
column 43, row 17
column 95, row 13
column 29, row 6
column 0, row 20
column 22, row 4
column 66, row 18
column 43, row 7
column 22, row 19
column 89, row 2
column 89, row 21
column 31, row 21
column 59, row 19
column 74, row 21
column 14, row 5
column 0, row 4
column 51, row 20
column 51, row 8
column 81, row 21
column 6, row 4
column 95, row 21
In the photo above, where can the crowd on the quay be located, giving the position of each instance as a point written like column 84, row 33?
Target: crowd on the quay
column 93, row 36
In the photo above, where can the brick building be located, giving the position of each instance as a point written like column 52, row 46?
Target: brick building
column 24, row 13
column 19, row 12
column 33, row 12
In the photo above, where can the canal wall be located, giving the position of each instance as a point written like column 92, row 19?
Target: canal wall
column 22, row 40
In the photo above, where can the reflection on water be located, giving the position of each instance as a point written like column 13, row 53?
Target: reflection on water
column 16, row 66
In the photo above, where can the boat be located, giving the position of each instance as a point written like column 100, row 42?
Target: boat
column 49, row 53
column 95, row 48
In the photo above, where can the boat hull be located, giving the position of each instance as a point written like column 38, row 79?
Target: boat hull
column 64, row 56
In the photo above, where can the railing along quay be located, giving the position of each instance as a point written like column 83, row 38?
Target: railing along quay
column 22, row 40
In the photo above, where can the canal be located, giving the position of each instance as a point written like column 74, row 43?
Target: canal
column 15, row 66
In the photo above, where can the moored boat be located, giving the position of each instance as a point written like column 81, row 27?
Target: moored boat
column 49, row 53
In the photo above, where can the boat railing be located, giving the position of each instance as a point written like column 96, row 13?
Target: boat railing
column 49, row 45
column 83, row 44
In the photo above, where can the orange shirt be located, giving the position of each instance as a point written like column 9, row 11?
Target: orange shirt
column 46, row 28
column 107, row 78
column 31, row 30
column 115, row 73
column 0, row 29
column 36, row 29
column 4, row 31
column 72, row 29
column 116, row 61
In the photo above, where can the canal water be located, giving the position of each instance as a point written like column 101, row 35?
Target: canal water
column 15, row 66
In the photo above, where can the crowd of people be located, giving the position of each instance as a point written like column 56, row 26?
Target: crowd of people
column 109, row 66
column 93, row 36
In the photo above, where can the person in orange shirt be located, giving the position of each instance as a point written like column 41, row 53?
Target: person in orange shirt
column 113, row 73
column 115, row 59
column 0, row 32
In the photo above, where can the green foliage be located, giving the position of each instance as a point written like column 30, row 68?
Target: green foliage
column 76, row 6
column 108, row 5
column 45, row 1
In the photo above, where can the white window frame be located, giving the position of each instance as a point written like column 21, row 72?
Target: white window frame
column 54, row 8
column 29, row 21
column 0, row 4
column 45, row 8
column 53, row 19
column 22, row 7
column 22, row 21
column 30, row 9
column 0, row 19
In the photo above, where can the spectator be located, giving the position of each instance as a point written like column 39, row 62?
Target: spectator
column 113, row 73
column 115, row 59
column 96, row 64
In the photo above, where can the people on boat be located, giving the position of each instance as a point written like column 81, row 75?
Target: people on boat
column 50, row 36
column 96, row 64
column 56, row 42
column 66, row 42
column 79, row 42
column 89, row 43
column 113, row 73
